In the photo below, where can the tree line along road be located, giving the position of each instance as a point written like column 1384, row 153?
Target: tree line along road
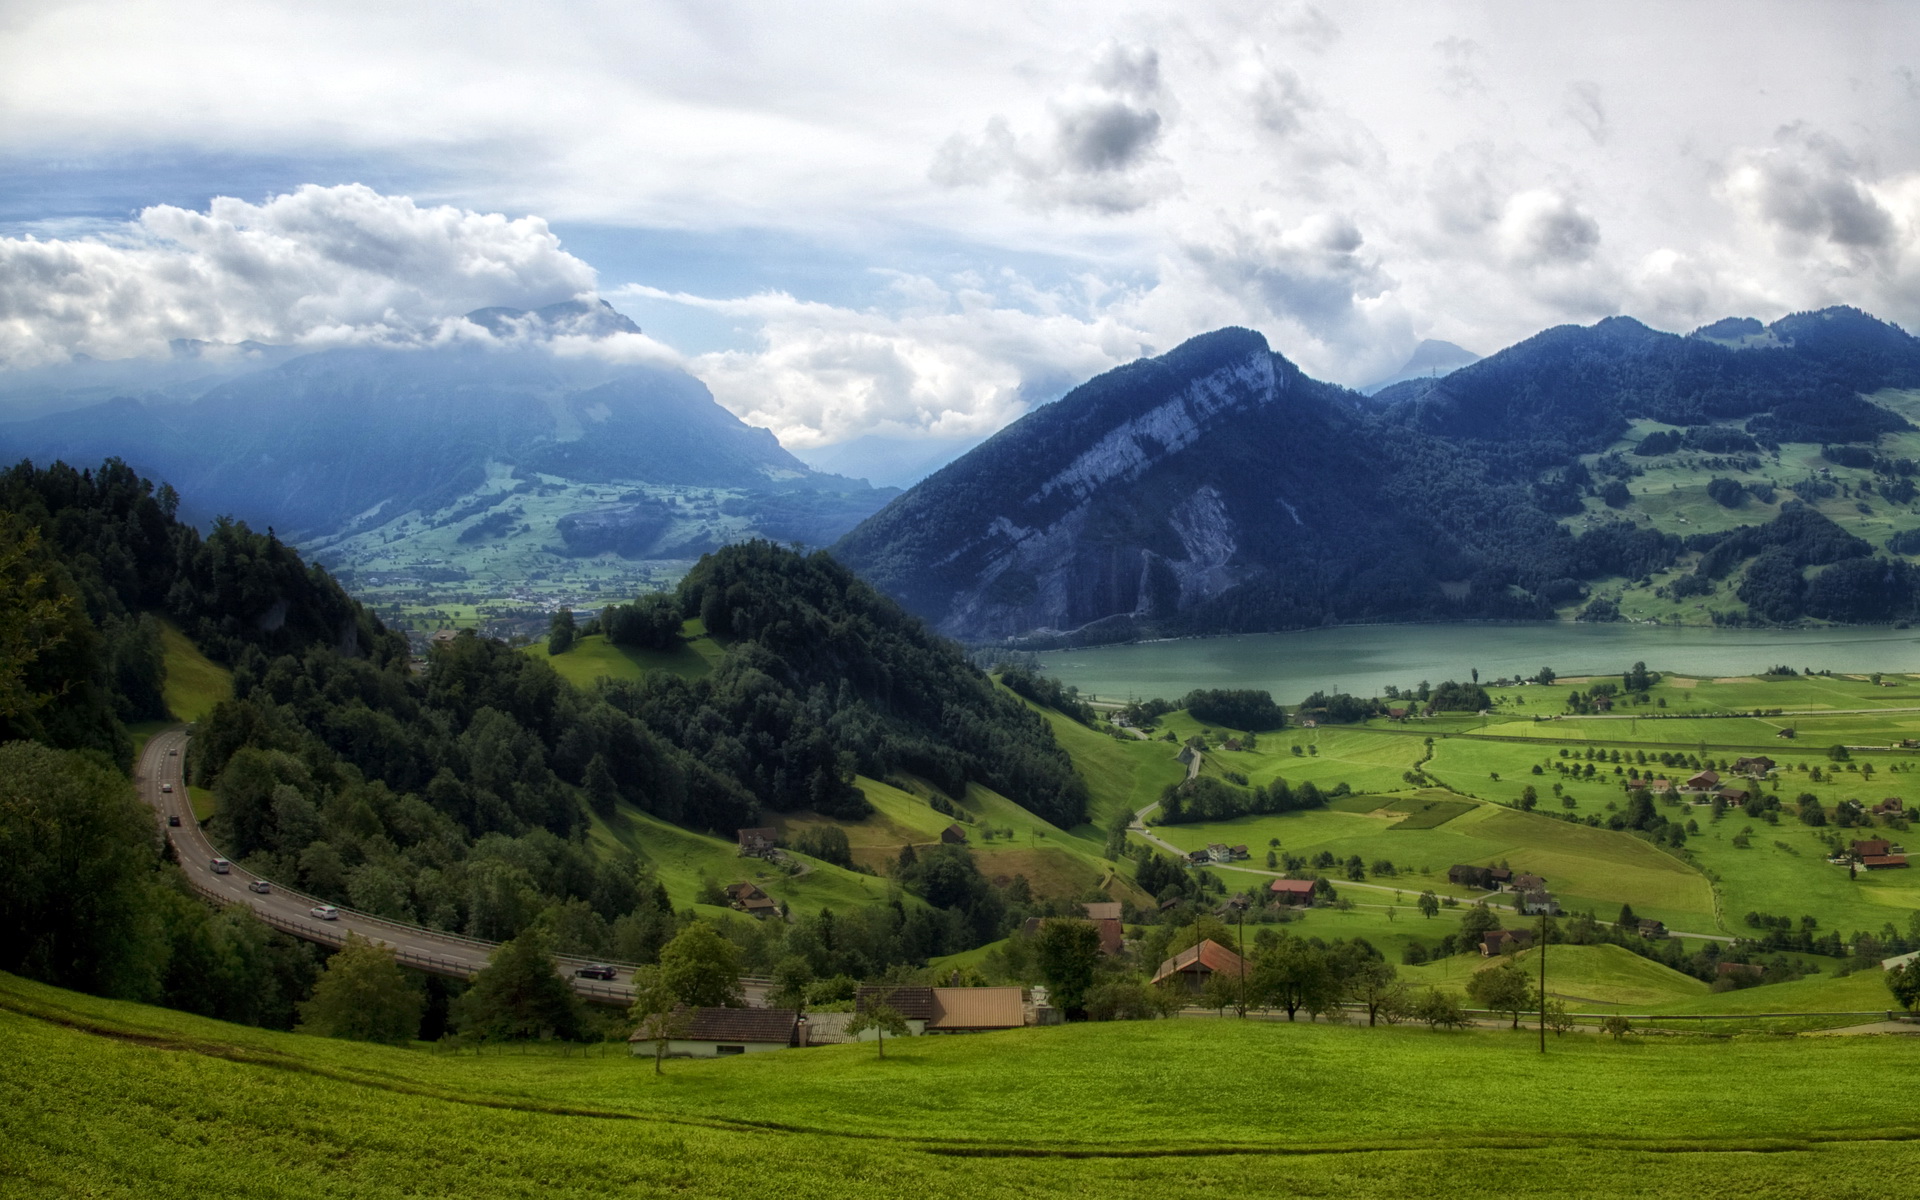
column 162, row 764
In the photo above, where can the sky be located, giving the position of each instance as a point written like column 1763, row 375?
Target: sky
column 863, row 220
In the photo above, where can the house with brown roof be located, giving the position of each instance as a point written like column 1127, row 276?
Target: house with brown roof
column 1882, row 862
column 757, row 843
column 1755, row 767
column 1525, row 882
column 1102, row 910
column 1733, row 793
column 914, row 1002
column 977, row 1010
column 744, row 891
column 953, row 835
column 1536, row 901
column 1892, row 806
column 1659, row 787
column 1501, row 876
column 1196, row 964
column 1705, row 781
column 1864, row 848
column 1295, row 892
column 1505, row 941
column 1113, row 935
column 719, row 1032
column 1650, row 928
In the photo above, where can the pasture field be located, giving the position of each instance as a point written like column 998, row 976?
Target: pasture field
column 683, row 859
column 194, row 682
column 593, row 657
column 1587, row 978
column 1122, row 776
column 113, row 1099
column 1585, row 867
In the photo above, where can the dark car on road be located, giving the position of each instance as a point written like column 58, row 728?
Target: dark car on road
column 173, row 818
column 595, row 971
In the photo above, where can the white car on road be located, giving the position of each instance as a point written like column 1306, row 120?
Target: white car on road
column 326, row 912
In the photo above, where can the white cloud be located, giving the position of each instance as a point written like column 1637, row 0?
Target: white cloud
column 319, row 266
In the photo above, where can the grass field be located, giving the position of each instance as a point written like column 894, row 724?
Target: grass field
column 112, row 1099
column 194, row 683
column 1584, row 867
column 594, row 657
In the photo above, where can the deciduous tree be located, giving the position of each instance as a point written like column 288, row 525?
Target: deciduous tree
column 363, row 995
column 702, row 968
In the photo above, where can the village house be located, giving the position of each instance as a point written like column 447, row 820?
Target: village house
column 1705, row 781
column 737, row 892
column 1535, row 902
column 1864, row 848
column 1659, row 787
column 950, row 1009
column 1529, row 883
column 1733, row 793
column 757, row 843
column 1892, row 806
column 1113, row 935
column 1650, row 928
column 1756, row 767
column 1882, row 862
column 953, row 835
column 719, row 1032
column 1219, row 852
column 1196, row 964
column 1292, row 892
column 1505, row 941
column 1238, row 854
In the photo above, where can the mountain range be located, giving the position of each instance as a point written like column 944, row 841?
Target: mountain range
column 1217, row 488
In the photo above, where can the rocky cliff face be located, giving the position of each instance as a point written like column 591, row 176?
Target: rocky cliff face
column 1145, row 495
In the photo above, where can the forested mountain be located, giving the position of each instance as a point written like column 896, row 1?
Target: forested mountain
column 1217, row 488
column 459, row 792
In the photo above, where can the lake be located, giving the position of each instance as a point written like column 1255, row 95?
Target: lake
column 1364, row 659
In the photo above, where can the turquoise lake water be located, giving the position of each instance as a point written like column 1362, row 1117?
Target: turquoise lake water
column 1363, row 659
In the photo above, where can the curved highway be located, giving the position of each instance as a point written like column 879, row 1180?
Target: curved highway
column 162, row 785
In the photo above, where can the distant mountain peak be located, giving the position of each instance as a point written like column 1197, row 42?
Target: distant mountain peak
column 569, row 318
column 1431, row 359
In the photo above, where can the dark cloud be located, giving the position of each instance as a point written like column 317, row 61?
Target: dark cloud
column 1809, row 184
column 1109, row 136
column 1546, row 228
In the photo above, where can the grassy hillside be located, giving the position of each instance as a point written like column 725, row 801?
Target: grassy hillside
column 193, row 1107
column 195, row 683
column 594, row 657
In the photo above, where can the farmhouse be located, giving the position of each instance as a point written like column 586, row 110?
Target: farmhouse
column 1755, row 767
column 757, row 843
column 1102, row 910
column 1705, row 781
column 1733, row 793
column 1194, row 965
column 1468, row 876
column 1871, row 847
column 1219, row 852
column 949, row 1009
column 1536, row 902
column 1650, row 928
column 1659, row 787
column 1890, row 807
column 718, row 1032
column 953, row 835
column 1529, row 883
column 1505, row 941
column 737, row 892
column 1882, row 862
column 1292, row 891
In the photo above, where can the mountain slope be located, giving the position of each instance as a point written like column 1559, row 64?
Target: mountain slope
column 1217, row 488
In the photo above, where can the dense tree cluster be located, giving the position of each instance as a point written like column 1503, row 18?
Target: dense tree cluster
column 1205, row 798
column 1235, row 708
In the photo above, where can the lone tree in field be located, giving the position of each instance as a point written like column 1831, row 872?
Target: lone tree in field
column 1503, row 989
column 882, row 1018
column 1438, row 1008
column 702, row 968
column 657, row 1013
column 1429, row 905
column 1904, row 982
column 363, row 995
column 520, row 994
column 1068, row 953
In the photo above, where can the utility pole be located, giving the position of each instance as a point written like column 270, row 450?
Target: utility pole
column 1543, row 981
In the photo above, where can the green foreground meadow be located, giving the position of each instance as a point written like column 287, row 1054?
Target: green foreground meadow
column 100, row 1098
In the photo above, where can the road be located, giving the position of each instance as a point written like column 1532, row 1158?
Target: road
column 432, row 950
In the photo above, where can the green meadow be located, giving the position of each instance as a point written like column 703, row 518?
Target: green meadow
column 116, row 1100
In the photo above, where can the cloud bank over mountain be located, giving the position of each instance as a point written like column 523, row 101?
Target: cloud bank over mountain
column 933, row 219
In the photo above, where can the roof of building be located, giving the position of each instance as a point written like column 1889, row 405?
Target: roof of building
column 739, row 1025
column 914, row 1002
column 759, row 904
column 1704, row 779
column 1871, row 846
column 1730, row 968
column 1291, row 887
column 953, row 833
column 1884, row 860
column 760, row 834
column 1113, row 936
column 744, row 891
column 1102, row 910
column 1208, row 956
column 978, row 1008
column 1527, row 882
